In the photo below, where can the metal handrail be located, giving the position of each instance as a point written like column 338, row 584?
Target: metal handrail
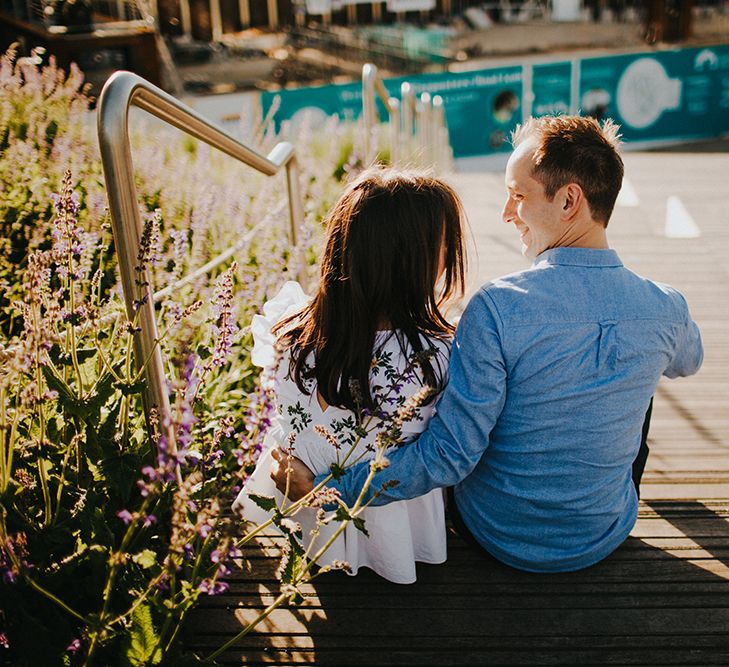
column 372, row 85
column 123, row 90
column 417, row 124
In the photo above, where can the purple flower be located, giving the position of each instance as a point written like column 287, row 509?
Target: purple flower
column 144, row 488
column 150, row 245
column 213, row 587
column 225, row 326
column 214, row 457
column 74, row 646
column 149, row 520
column 163, row 585
column 126, row 516
column 234, row 552
column 15, row 545
column 4, row 640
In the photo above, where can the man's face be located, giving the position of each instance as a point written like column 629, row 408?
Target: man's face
column 535, row 217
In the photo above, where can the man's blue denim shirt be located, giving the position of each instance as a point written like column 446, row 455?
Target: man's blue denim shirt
column 551, row 374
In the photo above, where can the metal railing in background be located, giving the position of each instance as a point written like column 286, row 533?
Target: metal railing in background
column 372, row 85
column 418, row 131
column 122, row 91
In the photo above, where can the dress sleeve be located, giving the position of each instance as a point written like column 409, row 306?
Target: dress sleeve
column 290, row 299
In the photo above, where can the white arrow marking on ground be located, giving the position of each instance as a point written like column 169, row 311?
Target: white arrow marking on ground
column 679, row 223
column 627, row 195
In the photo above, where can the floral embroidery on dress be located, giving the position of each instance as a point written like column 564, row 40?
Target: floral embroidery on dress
column 347, row 436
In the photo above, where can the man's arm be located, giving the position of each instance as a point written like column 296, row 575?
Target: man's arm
column 456, row 437
column 689, row 350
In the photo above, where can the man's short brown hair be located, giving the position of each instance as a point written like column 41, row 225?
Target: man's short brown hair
column 576, row 149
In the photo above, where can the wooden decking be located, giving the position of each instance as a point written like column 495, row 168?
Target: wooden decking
column 661, row 599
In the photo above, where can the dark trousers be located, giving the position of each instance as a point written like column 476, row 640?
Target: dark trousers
column 639, row 463
column 638, row 468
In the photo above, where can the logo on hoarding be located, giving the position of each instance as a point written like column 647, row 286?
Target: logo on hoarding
column 706, row 60
column 645, row 91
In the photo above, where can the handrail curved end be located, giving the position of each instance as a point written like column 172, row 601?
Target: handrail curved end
column 281, row 153
column 114, row 103
column 369, row 72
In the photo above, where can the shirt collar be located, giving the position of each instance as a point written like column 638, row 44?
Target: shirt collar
column 577, row 257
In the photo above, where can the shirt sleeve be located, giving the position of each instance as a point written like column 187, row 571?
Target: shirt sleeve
column 689, row 352
column 458, row 434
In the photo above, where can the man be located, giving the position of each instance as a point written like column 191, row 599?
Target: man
column 551, row 374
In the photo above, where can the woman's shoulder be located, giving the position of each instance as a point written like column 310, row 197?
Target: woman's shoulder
column 394, row 356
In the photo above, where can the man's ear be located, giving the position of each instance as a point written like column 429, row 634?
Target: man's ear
column 572, row 200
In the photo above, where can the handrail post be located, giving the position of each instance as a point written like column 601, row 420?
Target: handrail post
column 438, row 118
column 408, row 108
column 122, row 90
column 126, row 223
column 369, row 110
column 422, row 144
column 296, row 211
column 423, row 118
column 395, row 152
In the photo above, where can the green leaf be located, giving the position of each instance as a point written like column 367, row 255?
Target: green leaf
column 145, row 559
column 85, row 408
column 343, row 514
column 103, row 390
column 292, row 563
column 61, row 358
column 121, row 471
column 66, row 397
column 203, row 351
column 129, row 388
column 100, row 442
column 142, row 638
column 359, row 524
column 337, row 471
column 85, row 354
column 266, row 503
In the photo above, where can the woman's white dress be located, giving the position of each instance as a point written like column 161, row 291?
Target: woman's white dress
column 400, row 533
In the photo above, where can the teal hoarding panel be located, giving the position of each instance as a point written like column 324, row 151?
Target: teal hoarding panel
column 656, row 95
column 482, row 107
column 660, row 95
column 551, row 88
column 344, row 101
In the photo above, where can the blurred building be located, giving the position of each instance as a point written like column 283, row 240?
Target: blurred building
column 101, row 36
column 210, row 19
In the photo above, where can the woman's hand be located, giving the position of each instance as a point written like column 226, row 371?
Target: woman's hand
column 291, row 475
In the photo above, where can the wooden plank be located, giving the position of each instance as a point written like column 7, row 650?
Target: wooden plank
column 448, row 621
column 366, row 656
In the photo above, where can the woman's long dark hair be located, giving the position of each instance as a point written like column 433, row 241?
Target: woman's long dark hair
column 386, row 239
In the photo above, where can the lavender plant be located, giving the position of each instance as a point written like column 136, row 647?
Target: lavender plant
column 103, row 552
